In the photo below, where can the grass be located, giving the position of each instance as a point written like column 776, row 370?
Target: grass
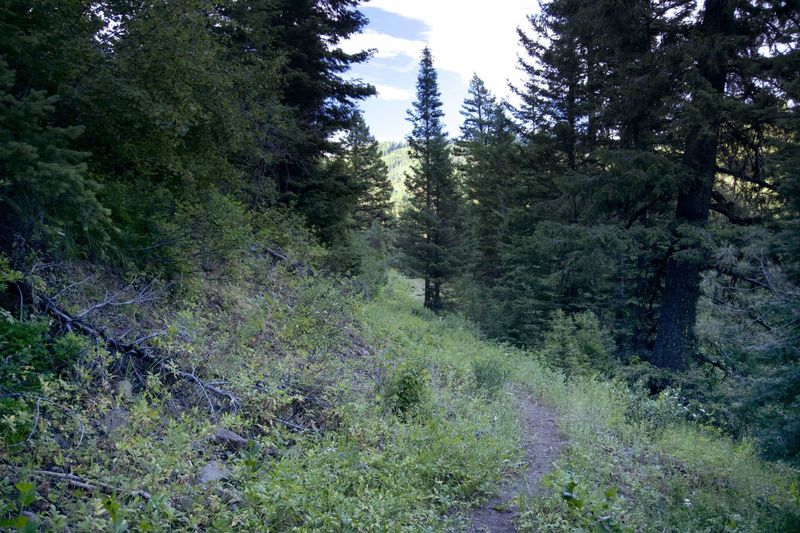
column 626, row 476
column 305, row 348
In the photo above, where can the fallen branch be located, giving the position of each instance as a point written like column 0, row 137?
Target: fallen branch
column 143, row 295
column 280, row 255
column 39, row 400
column 143, row 352
column 82, row 483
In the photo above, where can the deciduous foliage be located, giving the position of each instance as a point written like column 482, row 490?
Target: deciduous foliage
column 169, row 101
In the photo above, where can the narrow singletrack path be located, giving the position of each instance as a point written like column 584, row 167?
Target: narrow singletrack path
column 541, row 443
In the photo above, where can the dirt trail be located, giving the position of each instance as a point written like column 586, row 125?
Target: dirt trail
column 541, row 443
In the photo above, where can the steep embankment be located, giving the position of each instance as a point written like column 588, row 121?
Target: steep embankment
column 351, row 416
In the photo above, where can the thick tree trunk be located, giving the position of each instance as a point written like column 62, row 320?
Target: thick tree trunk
column 682, row 287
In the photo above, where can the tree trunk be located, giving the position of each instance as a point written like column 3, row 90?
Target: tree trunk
column 428, row 294
column 682, row 286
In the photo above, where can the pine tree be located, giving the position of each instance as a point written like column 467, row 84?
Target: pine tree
column 487, row 147
column 320, row 99
column 739, row 91
column 370, row 173
column 47, row 197
column 429, row 226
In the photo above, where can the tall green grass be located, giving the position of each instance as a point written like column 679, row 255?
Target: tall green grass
column 616, row 473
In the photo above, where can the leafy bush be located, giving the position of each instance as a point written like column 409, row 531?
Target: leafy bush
column 655, row 413
column 408, row 390
column 577, row 343
column 489, row 374
column 27, row 352
column 213, row 233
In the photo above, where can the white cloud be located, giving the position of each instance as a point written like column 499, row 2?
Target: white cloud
column 395, row 94
column 386, row 46
column 465, row 36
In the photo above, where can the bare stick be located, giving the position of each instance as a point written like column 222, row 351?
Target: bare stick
column 142, row 352
column 88, row 485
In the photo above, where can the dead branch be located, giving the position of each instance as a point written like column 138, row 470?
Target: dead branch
column 39, row 400
column 73, row 285
column 143, row 351
column 145, row 294
column 280, row 255
column 292, row 425
column 89, row 485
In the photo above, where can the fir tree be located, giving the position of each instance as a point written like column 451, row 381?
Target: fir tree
column 370, row 173
column 429, row 226
column 487, row 147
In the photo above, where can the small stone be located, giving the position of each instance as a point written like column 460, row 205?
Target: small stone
column 229, row 438
column 213, row 471
column 116, row 419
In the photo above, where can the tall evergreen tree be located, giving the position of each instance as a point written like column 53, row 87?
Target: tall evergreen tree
column 321, row 100
column 370, row 172
column 47, row 197
column 429, row 226
column 739, row 88
column 487, row 148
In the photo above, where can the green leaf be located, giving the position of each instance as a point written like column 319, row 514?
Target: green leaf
column 27, row 493
column 18, row 522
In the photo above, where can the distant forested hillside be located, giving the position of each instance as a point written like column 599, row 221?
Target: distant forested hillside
column 397, row 157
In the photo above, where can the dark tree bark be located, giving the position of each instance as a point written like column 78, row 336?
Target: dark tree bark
column 428, row 302
column 682, row 286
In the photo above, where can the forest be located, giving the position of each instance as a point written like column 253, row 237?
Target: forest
column 226, row 306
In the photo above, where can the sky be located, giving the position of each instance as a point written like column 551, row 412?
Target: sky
column 465, row 37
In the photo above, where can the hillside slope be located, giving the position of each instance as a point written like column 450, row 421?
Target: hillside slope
column 397, row 157
column 354, row 416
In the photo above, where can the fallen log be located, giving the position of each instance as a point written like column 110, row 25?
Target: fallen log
column 82, row 483
column 279, row 255
column 138, row 349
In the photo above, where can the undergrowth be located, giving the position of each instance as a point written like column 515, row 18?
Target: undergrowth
column 631, row 463
column 359, row 416
column 347, row 429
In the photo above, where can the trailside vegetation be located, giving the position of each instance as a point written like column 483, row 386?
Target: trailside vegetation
column 203, row 325
column 650, row 185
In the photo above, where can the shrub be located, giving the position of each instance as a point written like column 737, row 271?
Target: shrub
column 577, row 343
column 215, row 232
column 489, row 374
column 408, row 390
column 655, row 413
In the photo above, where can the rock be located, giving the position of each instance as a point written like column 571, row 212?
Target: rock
column 213, row 471
column 229, row 438
column 116, row 420
column 125, row 390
